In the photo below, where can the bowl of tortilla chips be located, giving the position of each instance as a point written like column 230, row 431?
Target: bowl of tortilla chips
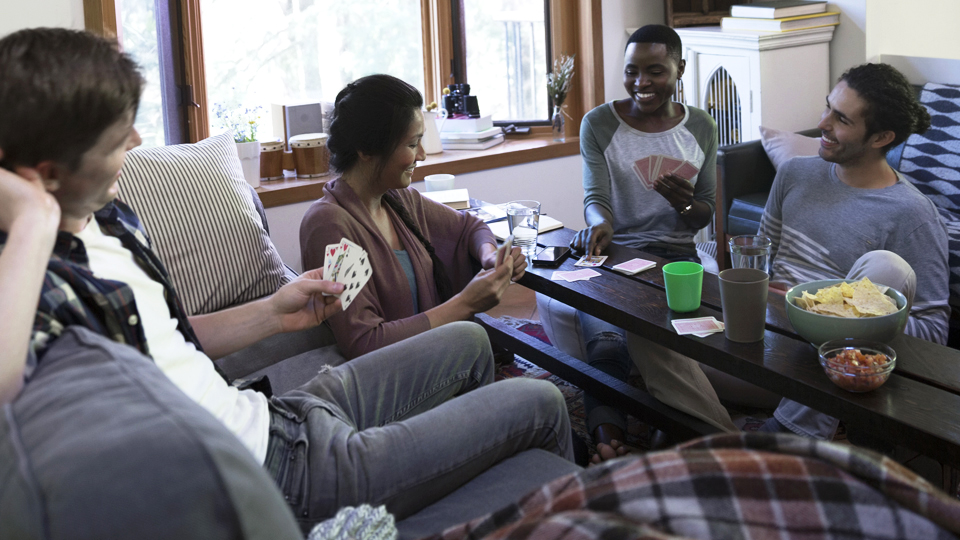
column 834, row 309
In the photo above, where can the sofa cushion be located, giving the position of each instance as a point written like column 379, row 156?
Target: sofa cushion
column 781, row 146
column 100, row 444
column 497, row 487
column 201, row 218
column 745, row 213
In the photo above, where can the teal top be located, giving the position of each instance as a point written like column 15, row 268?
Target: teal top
column 407, row 266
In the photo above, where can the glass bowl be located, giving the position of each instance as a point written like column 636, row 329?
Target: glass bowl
column 857, row 365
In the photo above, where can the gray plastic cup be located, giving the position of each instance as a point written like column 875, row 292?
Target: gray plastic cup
column 743, row 297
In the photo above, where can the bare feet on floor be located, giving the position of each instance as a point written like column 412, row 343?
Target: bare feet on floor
column 609, row 439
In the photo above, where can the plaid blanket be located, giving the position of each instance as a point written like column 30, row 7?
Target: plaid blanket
column 729, row 486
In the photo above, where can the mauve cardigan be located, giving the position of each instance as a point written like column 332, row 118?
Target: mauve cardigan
column 382, row 313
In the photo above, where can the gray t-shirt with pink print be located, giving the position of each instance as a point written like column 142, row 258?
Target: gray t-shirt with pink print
column 610, row 148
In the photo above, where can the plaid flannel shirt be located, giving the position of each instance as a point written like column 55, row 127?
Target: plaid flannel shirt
column 72, row 295
column 730, row 486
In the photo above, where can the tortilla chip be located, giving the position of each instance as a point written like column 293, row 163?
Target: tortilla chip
column 837, row 310
column 858, row 299
column 846, row 290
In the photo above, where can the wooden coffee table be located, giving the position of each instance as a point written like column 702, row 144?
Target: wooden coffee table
column 918, row 407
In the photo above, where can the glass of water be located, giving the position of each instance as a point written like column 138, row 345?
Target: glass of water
column 523, row 218
column 751, row 252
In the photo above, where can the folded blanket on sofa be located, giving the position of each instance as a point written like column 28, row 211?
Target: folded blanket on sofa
column 746, row 485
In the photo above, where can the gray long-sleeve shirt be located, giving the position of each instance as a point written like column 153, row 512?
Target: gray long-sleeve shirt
column 820, row 226
column 610, row 148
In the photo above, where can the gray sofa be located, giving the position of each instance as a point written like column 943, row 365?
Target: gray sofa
column 178, row 191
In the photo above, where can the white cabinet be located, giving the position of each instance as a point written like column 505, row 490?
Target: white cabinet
column 748, row 79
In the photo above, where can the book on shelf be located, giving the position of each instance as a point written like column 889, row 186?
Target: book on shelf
column 501, row 229
column 458, row 199
column 778, row 9
column 479, row 145
column 781, row 25
column 470, row 136
column 467, row 124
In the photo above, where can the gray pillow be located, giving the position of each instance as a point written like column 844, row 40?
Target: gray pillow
column 203, row 223
column 100, row 444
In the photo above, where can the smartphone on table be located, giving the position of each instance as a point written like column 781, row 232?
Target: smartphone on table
column 551, row 256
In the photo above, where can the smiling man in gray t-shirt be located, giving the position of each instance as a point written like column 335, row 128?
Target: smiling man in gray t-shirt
column 849, row 214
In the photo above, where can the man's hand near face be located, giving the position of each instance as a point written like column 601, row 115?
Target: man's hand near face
column 30, row 217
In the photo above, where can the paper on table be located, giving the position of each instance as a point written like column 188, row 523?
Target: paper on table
column 502, row 230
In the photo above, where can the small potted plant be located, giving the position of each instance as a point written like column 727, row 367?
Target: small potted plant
column 242, row 124
column 558, row 86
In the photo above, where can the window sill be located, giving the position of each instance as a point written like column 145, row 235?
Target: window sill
column 513, row 151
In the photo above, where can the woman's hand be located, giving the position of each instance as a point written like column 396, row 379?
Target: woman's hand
column 491, row 255
column 486, row 288
column 593, row 240
column 677, row 191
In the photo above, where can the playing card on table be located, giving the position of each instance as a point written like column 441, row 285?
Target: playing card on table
column 699, row 325
column 591, row 261
column 686, row 170
column 576, row 275
column 634, row 266
column 705, row 334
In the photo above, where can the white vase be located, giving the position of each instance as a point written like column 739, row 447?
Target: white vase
column 431, row 132
column 249, row 153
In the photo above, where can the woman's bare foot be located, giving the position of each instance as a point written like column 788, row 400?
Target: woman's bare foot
column 608, row 438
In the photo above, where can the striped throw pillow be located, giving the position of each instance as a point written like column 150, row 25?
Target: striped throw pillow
column 200, row 216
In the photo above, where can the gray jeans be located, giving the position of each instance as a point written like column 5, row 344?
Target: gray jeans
column 883, row 268
column 406, row 425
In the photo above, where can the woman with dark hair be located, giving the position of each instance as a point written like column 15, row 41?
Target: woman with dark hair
column 423, row 254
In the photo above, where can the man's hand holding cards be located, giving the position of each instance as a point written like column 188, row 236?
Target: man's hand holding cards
column 346, row 262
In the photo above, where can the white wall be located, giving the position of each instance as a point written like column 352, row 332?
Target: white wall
column 554, row 182
column 926, row 28
column 617, row 16
column 848, row 47
column 17, row 14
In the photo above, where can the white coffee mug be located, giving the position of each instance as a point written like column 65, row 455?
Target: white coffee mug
column 439, row 182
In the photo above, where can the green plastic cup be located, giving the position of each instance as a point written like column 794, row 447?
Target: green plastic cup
column 683, row 281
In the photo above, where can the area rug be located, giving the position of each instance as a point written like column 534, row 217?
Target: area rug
column 638, row 432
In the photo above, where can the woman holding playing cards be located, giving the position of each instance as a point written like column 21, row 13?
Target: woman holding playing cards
column 649, row 178
column 422, row 255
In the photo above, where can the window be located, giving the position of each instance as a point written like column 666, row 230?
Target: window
column 295, row 51
column 258, row 52
column 507, row 57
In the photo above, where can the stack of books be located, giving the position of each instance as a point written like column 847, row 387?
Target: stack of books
column 458, row 199
column 780, row 16
column 470, row 133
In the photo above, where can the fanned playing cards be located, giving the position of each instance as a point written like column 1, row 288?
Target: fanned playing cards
column 650, row 168
column 346, row 262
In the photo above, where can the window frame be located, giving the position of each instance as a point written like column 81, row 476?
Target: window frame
column 574, row 28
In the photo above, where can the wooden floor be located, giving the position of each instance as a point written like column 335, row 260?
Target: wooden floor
column 519, row 302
